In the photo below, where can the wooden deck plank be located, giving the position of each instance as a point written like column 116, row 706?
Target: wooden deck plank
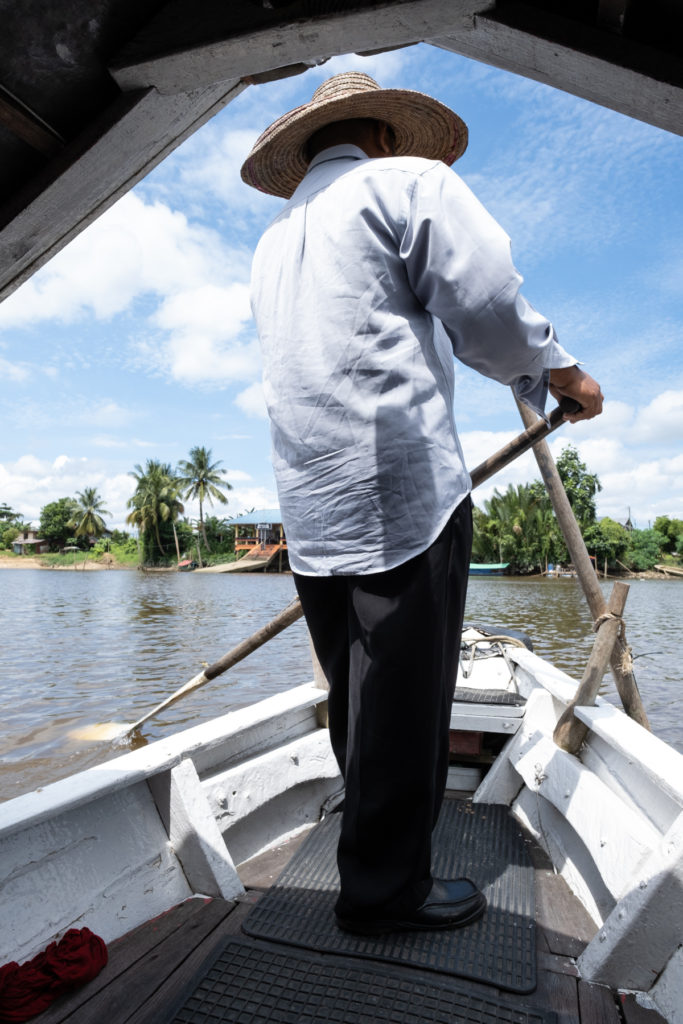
column 597, row 1004
column 123, row 953
column 558, row 992
column 181, row 982
column 564, row 923
column 156, row 966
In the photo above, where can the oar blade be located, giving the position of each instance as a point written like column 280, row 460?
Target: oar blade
column 101, row 732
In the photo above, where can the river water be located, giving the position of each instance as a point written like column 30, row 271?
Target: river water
column 79, row 648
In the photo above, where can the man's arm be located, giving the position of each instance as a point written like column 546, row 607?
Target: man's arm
column 572, row 382
column 459, row 266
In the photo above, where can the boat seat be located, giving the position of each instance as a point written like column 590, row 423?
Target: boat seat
column 478, row 710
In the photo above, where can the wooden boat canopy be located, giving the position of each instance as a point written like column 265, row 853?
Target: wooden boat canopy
column 95, row 93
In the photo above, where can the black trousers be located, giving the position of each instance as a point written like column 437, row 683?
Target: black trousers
column 388, row 644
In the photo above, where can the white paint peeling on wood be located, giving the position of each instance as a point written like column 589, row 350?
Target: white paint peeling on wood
column 235, row 794
column 617, row 838
column 598, row 78
column 657, row 760
column 301, row 41
column 536, row 672
column 194, row 834
column 107, row 866
column 633, row 786
column 568, row 854
column 637, row 940
column 503, row 782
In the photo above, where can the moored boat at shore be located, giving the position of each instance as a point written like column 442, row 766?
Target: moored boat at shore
column 488, row 568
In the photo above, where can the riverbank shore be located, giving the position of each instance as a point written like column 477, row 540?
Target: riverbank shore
column 8, row 561
column 28, row 562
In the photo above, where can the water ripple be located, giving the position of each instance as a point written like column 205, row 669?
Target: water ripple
column 80, row 648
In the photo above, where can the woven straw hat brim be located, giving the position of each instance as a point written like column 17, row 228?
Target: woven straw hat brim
column 422, row 125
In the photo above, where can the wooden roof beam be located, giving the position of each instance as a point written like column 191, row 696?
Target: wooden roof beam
column 95, row 170
column 596, row 65
column 27, row 126
column 156, row 56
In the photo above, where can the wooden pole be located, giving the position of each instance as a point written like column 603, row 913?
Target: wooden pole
column 623, row 674
column 570, row 732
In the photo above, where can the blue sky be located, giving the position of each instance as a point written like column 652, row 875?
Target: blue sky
column 136, row 341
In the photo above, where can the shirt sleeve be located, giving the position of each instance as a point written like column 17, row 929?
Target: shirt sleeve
column 459, row 266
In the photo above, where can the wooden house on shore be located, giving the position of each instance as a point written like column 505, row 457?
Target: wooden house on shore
column 260, row 542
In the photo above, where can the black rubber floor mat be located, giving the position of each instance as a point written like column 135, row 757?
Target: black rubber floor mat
column 480, row 841
column 260, row 985
column 470, row 695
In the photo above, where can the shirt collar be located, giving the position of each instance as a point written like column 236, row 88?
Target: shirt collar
column 344, row 152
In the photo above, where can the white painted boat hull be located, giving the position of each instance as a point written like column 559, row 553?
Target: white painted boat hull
column 118, row 844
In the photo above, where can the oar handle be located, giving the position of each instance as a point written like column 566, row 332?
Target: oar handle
column 520, row 444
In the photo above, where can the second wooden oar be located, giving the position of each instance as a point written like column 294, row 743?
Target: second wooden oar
column 294, row 611
column 114, row 730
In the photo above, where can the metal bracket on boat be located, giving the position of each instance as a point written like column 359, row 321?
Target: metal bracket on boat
column 496, row 646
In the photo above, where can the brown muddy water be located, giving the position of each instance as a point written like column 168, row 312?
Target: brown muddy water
column 80, row 648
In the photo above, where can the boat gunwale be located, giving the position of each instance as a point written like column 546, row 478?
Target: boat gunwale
column 30, row 809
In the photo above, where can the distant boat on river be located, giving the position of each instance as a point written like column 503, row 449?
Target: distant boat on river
column 488, row 568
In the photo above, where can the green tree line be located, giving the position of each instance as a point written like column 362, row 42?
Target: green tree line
column 155, row 508
column 519, row 526
column 516, row 526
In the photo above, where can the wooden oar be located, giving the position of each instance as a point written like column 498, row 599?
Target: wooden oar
column 112, row 730
column 294, row 611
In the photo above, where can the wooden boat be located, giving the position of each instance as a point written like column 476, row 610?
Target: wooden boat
column 202, row 812
column 213, row 811
column 488, row 568
column 670, row 570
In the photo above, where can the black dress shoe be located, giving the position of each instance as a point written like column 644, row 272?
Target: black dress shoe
column 450, row 904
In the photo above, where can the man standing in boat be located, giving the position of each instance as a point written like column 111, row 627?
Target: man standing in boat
column 382, row 266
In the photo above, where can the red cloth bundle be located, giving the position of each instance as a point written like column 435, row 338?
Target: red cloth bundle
column 29, row 988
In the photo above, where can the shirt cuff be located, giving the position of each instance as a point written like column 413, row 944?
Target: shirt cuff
column 533, row 391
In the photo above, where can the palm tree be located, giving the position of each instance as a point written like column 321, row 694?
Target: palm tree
column 199, row 478
column 87, row 519
column 156, row 499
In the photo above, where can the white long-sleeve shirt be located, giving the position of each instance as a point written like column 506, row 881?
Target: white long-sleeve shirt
column 375, row 273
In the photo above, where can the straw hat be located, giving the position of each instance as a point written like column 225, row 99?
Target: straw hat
column 423, row 127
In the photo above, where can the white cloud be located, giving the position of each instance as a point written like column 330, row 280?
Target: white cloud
column 618, row 447
column 252, row 402
column 256, row 497
column 108, row 413
column 203, row 346
column 209, row 163
column 661, row 420
column 237, row 474
column 15, row 372
column 133, row 248
column 559, row 187
column 195, row 287
column 30, row 482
